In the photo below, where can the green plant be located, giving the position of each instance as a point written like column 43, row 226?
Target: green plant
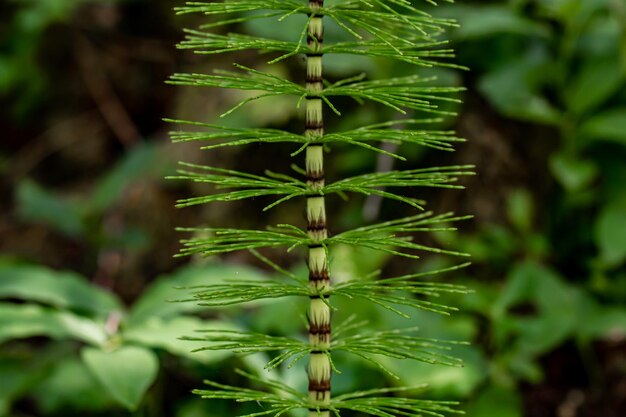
column 98, row 355
column 391, row 29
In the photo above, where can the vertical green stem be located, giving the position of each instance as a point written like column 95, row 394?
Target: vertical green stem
column 319, row 311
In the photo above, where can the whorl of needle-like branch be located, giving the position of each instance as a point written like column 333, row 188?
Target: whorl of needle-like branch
column 392, row 29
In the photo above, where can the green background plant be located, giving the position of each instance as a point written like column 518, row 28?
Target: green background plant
column 548, row 201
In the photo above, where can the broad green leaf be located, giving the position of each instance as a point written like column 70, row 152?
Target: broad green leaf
column 603, row 322
column 487, row 21
column 496, row 401
column 557, row 309
column 166, row 333
column 126, row 372
column 71, row 386
column 610, row 234
column 158, row 300
column 62, row 289
column 597, row 81
column 608, row 126
column 571, row 172
column 26, row 320
column 514, row 89
column 35, row 204
column 602, row 36
column 521, row 285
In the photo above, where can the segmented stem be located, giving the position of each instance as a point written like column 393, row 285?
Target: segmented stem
column 319, row 311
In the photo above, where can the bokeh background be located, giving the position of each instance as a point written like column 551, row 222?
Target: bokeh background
column 87, row 219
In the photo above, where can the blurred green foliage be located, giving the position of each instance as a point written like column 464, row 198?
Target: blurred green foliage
column 109, row 352
column 81, row 216
column 20, row 74
column 548, row 272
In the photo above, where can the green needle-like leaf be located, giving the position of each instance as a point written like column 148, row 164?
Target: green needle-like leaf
column 222, row 136
column 235, row 292
column 250, row 185
column 245, row 343
column 396, row 93
column 382, row 132
column 369, row 184
column 249, row 79
column 388, row 236
column 283, row 399
column 239, row 6
column 398, row 344
column 232, row 136
column 243, row 185
column 213, row 43
column 419, row 52
column 390, row 292
column 228, row 240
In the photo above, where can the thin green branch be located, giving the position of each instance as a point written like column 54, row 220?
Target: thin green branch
column 368, row 184
column 391, row 237
column 232, row 136
column 387, row 237
column 248, row 342
column 237, row 292
column 214, row 241
column 387, row 27
column 396, row 406
column 418, row 52
column 397, row 93
column 284, row 398
column 278, row 402
column 382, row 132
column 390, row 292
column 238, row 6
column 248, row 79
column 393, row 29
column 242, row 185
column 397, row 344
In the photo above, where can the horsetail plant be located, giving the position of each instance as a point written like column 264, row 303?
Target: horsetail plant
column 392, row 29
